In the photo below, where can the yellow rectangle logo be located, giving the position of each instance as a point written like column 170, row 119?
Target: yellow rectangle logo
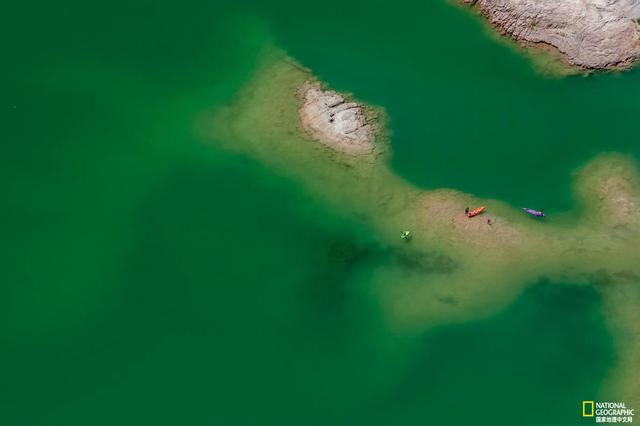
column 587, row 408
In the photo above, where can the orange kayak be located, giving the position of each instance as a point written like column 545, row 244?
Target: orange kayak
column 476, row 212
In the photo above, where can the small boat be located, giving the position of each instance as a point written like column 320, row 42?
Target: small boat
column 536, row 213
column 405, row 235
column 476, row 211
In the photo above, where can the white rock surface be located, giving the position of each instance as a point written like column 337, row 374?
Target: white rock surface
column 594, row 34
column 333, row 120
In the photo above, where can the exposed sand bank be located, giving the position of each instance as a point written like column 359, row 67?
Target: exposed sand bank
column 490, row 264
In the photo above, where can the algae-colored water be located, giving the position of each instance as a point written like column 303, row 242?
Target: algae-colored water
column 150, row 276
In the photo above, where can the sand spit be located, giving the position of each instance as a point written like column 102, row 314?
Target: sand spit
column 442, row 211
column 494, row 262
column 265, row 122
column 335, row 121
column 593, row 34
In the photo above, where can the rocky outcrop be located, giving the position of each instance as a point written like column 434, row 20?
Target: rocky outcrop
column 336, row 122
column 594, row 34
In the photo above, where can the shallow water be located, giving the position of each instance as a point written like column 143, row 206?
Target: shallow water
column 154, row 278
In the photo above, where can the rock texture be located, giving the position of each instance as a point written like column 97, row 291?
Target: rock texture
column 333, row 120
column 595, row 34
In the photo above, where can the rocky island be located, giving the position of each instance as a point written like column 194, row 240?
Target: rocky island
column 333, row 120
column 591, row 34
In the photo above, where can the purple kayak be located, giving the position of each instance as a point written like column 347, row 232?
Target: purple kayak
column 535, row 213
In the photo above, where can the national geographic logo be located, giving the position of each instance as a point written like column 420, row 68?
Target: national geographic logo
column 607, row 412
column 588, row 409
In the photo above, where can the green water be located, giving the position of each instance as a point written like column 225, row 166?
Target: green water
column 152, row 278
column 463, row 106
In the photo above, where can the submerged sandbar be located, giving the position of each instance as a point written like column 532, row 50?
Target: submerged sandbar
column 494, row 263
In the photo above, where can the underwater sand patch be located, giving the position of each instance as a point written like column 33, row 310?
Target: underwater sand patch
column 493, row 263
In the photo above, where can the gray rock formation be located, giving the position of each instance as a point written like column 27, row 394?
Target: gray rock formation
column 330, row 118
column 595, row 34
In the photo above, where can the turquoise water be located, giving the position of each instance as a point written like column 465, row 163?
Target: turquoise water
column 152, row 278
